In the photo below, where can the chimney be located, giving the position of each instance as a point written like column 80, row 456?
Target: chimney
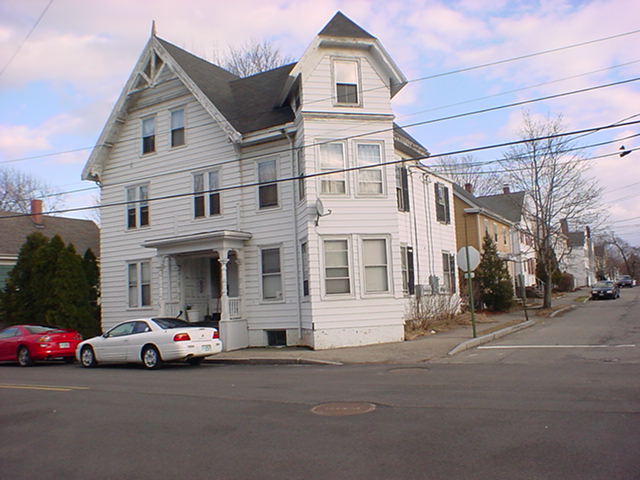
column 469, row 188
column 564, row 227
column 36, row 212
column 506, row 189
column 587, row 231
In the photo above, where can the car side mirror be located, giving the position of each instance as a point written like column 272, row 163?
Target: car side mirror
column 105, row 335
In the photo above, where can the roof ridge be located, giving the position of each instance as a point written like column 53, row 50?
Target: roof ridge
column 262, row 73
column 166, row 42
column 342, row 26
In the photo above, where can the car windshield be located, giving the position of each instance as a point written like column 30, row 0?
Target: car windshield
column 167, row 323
column 41, row 329
column 604, row 284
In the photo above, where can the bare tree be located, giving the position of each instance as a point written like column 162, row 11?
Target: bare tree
column 629, row 256
column 557, row 188
column 17, row 189
column 465, row 169
column 252, row 57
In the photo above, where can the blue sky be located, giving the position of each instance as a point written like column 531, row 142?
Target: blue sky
column 58, row 92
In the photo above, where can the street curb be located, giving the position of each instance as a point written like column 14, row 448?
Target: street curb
column 474, row 342
column 271, row 361
column 562, row 310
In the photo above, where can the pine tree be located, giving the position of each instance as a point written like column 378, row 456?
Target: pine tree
column 92, row 274
column 494, row 281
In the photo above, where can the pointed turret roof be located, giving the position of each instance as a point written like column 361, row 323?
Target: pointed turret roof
column 341, row 26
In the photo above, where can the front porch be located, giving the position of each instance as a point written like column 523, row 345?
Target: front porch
column 200, row 280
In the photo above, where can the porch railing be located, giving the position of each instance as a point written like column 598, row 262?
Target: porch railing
column 234, row 307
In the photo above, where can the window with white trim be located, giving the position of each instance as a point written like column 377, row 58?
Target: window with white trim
column 369, row 179
column 271, row 273
column 304, row 257
column 408, row 280
column 443, row 212
column 336, row 267
column 402, row 188
column 346, row 81
column 137, row 206
column 376, row 269
column 267, row 193
column 332, row 158
column 177, row 127
column 148, row 135
column 449, row 270
column 139, row 281
column 300, row 171
column 205, row 201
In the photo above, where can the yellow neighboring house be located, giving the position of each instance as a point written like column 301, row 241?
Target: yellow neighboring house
column 474, row 219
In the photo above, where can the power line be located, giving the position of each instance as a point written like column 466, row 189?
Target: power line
column 410, row 125
column 320, row 174
column 15, row 54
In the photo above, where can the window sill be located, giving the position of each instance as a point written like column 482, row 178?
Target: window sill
column 271, row 302
column 137, row 229
column 148, row 154
column 268, row 209
column 178, row 147
column 351, row 105
column 139, row 309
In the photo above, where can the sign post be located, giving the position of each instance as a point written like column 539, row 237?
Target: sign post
column 468, row 260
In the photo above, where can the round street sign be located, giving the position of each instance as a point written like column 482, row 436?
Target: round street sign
column 474, row 259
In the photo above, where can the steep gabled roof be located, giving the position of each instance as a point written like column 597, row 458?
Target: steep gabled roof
column 83, row 234
column 479, row 202
column 507, row 205
column 248, row 104
column 341, row 26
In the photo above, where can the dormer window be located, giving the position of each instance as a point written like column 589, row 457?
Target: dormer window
column 346, row 81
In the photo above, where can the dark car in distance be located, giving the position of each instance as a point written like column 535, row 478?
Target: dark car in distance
column 625, row 281
column 605, row 289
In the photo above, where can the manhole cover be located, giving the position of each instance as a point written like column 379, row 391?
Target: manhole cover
column 342, row 409
column 408, row 370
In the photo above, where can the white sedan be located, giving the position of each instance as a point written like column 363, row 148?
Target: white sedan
column 150, row 341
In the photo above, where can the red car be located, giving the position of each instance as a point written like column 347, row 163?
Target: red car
column 27, row 343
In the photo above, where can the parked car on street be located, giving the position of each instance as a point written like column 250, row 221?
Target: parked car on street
column 605, row 289
column 26, row 344
column 625, row 281
column 150, row 341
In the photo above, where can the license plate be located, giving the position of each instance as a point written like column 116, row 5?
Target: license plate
column 206, row 348
column 65, row 345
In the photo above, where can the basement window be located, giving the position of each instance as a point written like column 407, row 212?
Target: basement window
column 277, row 338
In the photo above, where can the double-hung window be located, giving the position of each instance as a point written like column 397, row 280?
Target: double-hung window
column 137, row 206
column 139, row 281
column 300, row 170
column 449, row 270
column 369, row 179
column 443, row 213
column 332, row 158
column 148, row 135
column 402, row 188
column 408, row 280
column 376, row 270
column 267, row 192
column 177, row 127
column 271, row 274
column 346, row 81
column 206, row 201
column 336, row 267
column 304, row 257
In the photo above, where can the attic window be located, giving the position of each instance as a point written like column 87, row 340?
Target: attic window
column 177, row 127
column 148, row 135
column 346, row 81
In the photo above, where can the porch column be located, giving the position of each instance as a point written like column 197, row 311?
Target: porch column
column 161, row 293
column 224, row 297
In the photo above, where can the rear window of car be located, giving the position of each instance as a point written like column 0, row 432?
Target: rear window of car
column 41, row 329
column 167, row 323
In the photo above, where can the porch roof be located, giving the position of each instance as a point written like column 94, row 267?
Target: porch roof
column 198, row 242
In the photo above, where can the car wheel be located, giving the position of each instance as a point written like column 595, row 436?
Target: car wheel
column 69, row 360
column 195, row 361
column 24, row 357
column 88, row 357
column 151, row 358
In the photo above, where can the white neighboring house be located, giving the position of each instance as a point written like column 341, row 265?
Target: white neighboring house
column 177, row 235
column 579, row 259
column 512, row 206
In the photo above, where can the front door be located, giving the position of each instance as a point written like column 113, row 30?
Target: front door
column 114, row 344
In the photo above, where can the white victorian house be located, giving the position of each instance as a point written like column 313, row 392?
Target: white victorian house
column 200, row 213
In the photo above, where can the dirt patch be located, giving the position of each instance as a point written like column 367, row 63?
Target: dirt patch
column 546, row 312
column 412, row 331
column 500, row 327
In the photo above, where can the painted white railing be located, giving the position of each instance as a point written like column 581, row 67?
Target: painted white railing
column 234, row 307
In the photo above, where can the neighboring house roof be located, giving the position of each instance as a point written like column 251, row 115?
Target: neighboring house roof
column 341, row 26
column 83, row 234
column 508, row 205
column 479, row 202
column 576, row 239
column 249, row 104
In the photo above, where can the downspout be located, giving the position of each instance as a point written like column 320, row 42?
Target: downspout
column 295, row 235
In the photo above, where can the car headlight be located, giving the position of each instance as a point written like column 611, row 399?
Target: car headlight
column 609, row 291
column 594, row 291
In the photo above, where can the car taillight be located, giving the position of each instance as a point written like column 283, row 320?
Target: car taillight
column 216, row 334
column 78, row 337
column 46, row 338
column 181, row 337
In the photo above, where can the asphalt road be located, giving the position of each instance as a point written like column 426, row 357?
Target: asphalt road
column 561, row 401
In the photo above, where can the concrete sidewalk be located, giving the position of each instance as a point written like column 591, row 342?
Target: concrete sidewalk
column 420, row 350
